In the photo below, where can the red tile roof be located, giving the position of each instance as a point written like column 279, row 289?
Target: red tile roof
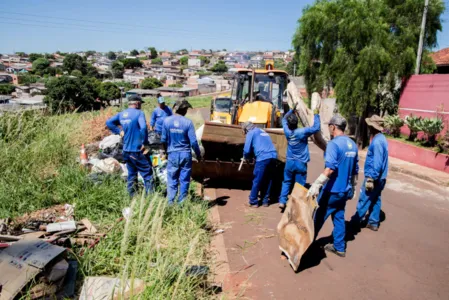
column 441, row 57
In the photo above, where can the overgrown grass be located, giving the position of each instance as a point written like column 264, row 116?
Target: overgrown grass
column 200, row 101
column 39, row 169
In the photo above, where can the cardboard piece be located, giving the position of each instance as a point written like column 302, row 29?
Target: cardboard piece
column 296, row 228
column 89, row 227
column 61, row 226
column 106, row 288
column 21, row 262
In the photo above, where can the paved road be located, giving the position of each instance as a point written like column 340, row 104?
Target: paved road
column 407, row 258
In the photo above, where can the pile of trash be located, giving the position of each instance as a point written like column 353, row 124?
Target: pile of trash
column 34, row 252
column 105, row 158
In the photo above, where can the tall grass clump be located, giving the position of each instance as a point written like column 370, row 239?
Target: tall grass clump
column 159, row 244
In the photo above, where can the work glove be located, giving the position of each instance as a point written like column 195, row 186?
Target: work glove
column 122, row 133
column 317, row 185
column 354, row 181
column 369, row 185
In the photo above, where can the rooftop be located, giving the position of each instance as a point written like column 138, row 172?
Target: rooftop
column 441, row 57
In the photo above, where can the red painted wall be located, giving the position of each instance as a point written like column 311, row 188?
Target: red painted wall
column 423, row 95
column 419, row 156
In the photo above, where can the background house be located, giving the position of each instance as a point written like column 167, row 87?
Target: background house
column 441, row 59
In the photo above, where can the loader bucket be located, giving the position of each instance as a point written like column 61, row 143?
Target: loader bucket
column 223, row 150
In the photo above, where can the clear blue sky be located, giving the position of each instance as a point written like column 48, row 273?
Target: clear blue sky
column 102, row 25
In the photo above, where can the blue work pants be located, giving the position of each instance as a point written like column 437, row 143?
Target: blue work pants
column 137, row 162
column 263, row 177
column 179, row 169
column 295, row 171
column 332, row 204
column 370, row 201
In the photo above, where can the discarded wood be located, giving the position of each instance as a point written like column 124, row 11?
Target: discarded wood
column 10, row 238
column 82, row 241
column 89, row 227
column 33, row 235
column 42, row 289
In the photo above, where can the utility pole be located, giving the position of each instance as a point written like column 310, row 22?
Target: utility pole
column 421, row 38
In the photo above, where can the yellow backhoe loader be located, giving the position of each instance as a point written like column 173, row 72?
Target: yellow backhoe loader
column 257, row 96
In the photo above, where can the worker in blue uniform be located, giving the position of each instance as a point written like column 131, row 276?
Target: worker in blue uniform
column 339, row 180
column 159, row 114
column 259, row 144
column 133, row 129
column 297, row 152
column 376, row 171
column 178, row 136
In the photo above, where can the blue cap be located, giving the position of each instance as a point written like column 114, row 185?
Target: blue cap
column 160, row 100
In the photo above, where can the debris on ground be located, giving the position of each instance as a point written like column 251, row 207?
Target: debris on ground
column 110, row 288
column 33, row 252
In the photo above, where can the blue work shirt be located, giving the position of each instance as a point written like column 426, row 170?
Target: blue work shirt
column 259, row 142
column 158, row 116
column 376, row 163
column 298, row 148
column 342, row 157
column 179, row 135
column 134, row 125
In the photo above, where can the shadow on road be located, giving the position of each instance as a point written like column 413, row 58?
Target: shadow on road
column 220, row 201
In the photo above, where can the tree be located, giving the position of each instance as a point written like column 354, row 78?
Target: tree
column 111, row 55
column 6, row 88
column 220, row 67
column 125, row 85
column 109, row 91
column 291, row 66
column 91, row 71
column 21, row 54
column 157, row 61
column 66, row 94
column 117, row 69
column 153, row 52
column 40, row 66
column 142, row 52
column 76, row 73
column 131, row 63
column 27, row 79
column 74, row 62
column 150, row 83
column 279, row 64
column 184, row 60
column 205, row 60
column 134, row 52
column 33, row 56
column 49, row 56
column 182, row 51
column 362, row 49
column 89, row 53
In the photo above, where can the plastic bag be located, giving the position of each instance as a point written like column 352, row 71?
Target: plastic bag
column 110, row 142
column 109, row 166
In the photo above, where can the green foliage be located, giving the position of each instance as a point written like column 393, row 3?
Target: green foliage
column 175, row 85
column 89, row 53
column 157, row 61
column 203, row 73
column 428, row 66
column 126, row 85
column 33, row 56
column 66, row 94
column 220, row 67
column 117, row 69
column 131, row 63
column 182, row 51
column 153, row 52
column 74, row 62
column 291, row 66
column 432, row 127
column 279, row 64
column 76, row 73
column 49, row 56
column 362, row 48
column 443, row 143
column 6, row 89
column 134, row 52
column 40, row 66
column 27, row 79
column 414, row 125
column 150, row 83
column 109, row 91
column 205, row 60
column 111, row 55
column 184, row 60
column 393, row 124
column 200, row 101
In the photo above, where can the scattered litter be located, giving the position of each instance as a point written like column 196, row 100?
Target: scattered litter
column 68, row 289
column 109, row 166
column 110, row 288
column 69, row 211
column 89, row 227
column 61, row 226
column 218, row 231
column 58, row 271
column 127, row 213
column 110, row 142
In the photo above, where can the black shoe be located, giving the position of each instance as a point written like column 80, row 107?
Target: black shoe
column 281, row 205
column 372, row 227
column 330, row 248
column 253, row 205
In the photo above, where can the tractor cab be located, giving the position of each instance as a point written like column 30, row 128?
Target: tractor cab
column 220, row 110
